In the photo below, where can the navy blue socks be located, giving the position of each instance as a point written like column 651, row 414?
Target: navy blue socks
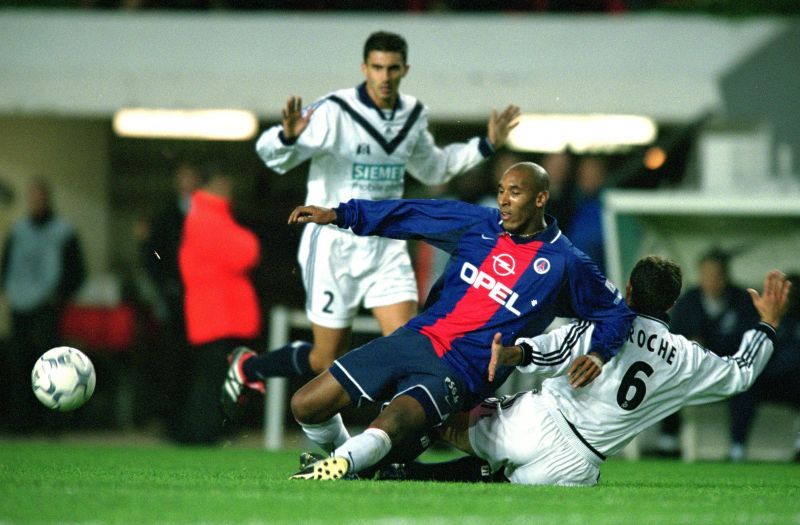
column 287, row 361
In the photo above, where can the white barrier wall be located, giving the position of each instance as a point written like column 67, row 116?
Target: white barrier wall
column 93, row 62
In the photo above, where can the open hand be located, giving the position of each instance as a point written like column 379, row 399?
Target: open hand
column 584, row 369
column 502, row 355
column 772, row 304
column 501, row 125
column 293, row 120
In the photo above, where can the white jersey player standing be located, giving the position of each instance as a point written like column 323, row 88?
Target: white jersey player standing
column 560, row 435
column 361, row 141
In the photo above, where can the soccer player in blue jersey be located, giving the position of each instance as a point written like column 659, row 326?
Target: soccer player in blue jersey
column 511, row 271
column 360, row 142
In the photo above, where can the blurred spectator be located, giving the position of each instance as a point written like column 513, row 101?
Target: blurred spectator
column 159, row 243
column 561, row 204
column 586, row 228
column 222, row 310
column 42, row 268
column 715, row 314
column 778, row 382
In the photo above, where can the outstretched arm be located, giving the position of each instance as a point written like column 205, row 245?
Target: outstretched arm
column 717, row 377
column 298, row 137
column 438, row 222
column 315, row 214
column 549, row 355
column 431, row 164
column 594, row 298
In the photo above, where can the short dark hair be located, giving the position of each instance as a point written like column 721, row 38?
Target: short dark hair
column 389, row 42
column 655, row 285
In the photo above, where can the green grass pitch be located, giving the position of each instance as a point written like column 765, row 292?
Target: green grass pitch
column 51, row 482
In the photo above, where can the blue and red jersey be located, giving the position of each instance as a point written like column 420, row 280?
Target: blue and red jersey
column 494, row 281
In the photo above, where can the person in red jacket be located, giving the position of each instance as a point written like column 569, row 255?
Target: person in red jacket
column 222, row 311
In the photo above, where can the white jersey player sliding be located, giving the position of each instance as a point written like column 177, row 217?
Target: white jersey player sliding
column 561, row 434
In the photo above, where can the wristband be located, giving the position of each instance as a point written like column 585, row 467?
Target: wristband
column 339, row 215
column 527, row 354
column 286, row 141
column 595, row 359
column 485, row 147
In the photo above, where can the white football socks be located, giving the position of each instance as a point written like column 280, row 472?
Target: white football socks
column 366, row 449
column 328, row 434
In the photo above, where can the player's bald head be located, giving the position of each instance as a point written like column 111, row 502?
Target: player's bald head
column 535, row 174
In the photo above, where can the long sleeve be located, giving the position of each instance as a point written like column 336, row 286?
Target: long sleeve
column 213, row 236
column 435, row 221
column 554, row 352
column 241, row 248
column 281, row 155
column 595, row 298
column 433, row 165
column 716, row 377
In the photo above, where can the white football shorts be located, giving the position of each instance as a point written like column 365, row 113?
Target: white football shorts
column 342, row 270
column 518, row 434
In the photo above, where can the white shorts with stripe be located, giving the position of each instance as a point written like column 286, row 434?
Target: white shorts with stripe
column 341, row 271
column 522, row 436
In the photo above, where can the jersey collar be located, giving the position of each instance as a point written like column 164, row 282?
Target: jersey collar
column 363, row 96
column 549, row 235
column 663, row 318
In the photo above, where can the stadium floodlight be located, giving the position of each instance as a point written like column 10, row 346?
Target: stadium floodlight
column 553, row 133
column 197, row 124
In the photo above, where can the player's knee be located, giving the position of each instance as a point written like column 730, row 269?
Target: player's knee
column 402, row 419
column 304, row 408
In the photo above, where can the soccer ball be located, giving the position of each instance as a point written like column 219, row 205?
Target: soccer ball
column 63, row 378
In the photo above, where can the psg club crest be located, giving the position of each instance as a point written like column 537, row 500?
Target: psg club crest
column 541, row 266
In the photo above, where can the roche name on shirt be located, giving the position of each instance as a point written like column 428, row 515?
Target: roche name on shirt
column 653, row 343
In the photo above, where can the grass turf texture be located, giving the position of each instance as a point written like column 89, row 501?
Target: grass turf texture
column 49, row 482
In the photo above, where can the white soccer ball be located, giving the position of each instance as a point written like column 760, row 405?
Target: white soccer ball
column 63, row 378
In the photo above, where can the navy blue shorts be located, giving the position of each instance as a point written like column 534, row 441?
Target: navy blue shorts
column 403, row 363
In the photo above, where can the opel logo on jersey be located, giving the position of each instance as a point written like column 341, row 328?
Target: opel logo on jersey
column 541, row 266
column 503, row 264
column 498, row 291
